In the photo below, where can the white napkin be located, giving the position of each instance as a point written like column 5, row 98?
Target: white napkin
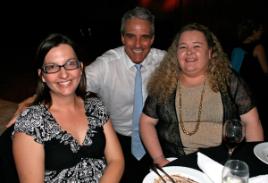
column 259, row 179
column 213, row 170
column 210, row 167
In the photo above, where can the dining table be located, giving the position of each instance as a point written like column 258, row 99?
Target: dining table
column 244, row 151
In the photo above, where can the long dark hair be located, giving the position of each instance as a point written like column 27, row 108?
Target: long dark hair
column 42, row 90
column 246, row 28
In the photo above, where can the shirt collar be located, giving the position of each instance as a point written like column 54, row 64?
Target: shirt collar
column 131, row 64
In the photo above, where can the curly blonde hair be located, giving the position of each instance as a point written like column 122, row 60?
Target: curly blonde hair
column 164, row 79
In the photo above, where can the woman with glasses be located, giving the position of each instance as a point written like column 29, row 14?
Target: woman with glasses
column 66, row 134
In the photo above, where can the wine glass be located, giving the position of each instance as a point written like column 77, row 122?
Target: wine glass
column 235, row 171
column 233, row 134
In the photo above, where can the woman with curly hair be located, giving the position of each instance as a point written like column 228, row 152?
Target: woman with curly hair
column 191, row 94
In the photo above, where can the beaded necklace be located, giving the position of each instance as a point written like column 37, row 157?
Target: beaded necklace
column 199, row 111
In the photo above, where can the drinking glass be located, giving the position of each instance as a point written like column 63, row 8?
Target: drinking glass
column 233, row 133
column 235, row 171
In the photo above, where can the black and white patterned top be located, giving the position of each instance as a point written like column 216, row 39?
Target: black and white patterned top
column 65, row 159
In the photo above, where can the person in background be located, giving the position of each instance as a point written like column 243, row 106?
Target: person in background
column 254, row 68
column 249, row 34
column 65, row 135
column 112, row 76
column 191, row 94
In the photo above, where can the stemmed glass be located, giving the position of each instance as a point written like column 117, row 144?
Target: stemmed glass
column 233, row 134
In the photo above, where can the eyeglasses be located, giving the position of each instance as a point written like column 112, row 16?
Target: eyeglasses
column 53, row 68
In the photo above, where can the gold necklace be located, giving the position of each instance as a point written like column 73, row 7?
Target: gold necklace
column 199, row 111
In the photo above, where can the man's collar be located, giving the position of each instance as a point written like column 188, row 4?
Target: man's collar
column 129, row 62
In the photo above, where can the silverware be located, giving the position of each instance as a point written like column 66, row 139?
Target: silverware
column 154, row 169
column 162, row 170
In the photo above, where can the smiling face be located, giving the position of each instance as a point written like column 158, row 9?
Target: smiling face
column 137, row 39
column 193, row 53
column 64, row 82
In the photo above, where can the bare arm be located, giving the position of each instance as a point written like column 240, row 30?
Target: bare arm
column 29, row 158
column 254, row 131
column 22, row 105
column 150, row 139
column 114, row 156
column 259, row 52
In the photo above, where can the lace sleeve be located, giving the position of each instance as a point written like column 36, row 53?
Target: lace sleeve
column 241, row 94
column 150, row 107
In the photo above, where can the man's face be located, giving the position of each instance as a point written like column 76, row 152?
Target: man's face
column 137, row 39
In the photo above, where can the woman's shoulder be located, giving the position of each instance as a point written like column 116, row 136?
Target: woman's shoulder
column 235, row 78
column 95, row 107
column 31, row 116
column 92, row 100
column 30, row 119
column 237, row 84
column 259, row 49
column 250, row 47
column 32, row 112
column 92, row 97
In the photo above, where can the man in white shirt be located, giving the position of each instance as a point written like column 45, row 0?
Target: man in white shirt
column 112, row 77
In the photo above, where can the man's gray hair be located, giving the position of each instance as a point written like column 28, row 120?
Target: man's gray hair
column 140, row 13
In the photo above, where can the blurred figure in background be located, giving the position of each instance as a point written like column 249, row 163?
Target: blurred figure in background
column 254, row 66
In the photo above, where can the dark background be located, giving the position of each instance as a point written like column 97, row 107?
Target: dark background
column 95, row 26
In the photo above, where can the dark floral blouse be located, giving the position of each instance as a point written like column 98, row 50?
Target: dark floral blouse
column 65, row 159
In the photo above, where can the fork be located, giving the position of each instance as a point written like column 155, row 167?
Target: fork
column 162, row 170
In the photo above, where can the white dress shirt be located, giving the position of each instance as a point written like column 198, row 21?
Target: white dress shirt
column 112, row 77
